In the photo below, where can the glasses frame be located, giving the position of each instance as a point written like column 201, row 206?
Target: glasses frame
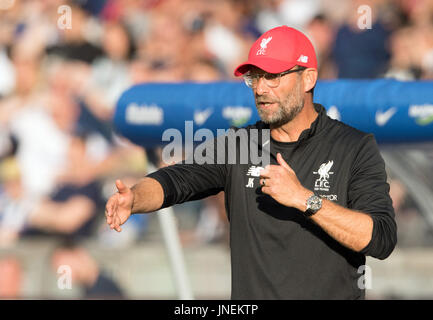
column 249, row 79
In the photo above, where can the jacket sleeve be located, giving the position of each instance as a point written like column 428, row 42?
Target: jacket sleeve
column 190, row 180
column 369, row 193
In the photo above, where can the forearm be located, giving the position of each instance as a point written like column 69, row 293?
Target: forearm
column 351, row 228
column 148, row 196
column 64, row 217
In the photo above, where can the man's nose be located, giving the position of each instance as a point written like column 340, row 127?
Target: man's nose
column 261, row 88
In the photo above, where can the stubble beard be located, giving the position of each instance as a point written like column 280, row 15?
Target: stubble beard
column 288, row 109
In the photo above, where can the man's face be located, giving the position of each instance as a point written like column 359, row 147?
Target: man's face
column 280, row 105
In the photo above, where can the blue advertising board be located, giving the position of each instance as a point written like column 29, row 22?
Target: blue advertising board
column 394, row 111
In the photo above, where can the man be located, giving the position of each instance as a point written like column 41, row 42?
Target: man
column 322, row 204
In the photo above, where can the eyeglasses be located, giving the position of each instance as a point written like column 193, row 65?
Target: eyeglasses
column 272, row 80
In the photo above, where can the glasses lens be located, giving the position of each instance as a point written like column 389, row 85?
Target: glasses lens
column 272, row 79
column 248, row 80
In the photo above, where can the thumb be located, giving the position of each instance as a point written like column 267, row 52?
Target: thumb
column 282, row 162
column 121, row 187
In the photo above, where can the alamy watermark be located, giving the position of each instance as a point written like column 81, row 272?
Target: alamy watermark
column 365, row 281
column 64, row 280
column 240, row 146
column 365, row 18
column 65, row 20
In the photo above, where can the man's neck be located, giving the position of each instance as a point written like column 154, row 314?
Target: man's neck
column 291, row 131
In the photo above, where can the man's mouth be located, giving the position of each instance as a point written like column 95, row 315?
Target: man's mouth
column 266, row 104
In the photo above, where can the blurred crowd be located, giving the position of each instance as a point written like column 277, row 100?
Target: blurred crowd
column 64, row 64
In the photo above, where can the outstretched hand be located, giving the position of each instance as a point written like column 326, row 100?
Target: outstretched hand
column 119, row 206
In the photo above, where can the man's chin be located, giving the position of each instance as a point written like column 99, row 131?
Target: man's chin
column 266, row 118
column 272, row 121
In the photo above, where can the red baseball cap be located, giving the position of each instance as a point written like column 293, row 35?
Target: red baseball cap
column 278, row 50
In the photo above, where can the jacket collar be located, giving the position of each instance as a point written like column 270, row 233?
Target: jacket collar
column 317, row 125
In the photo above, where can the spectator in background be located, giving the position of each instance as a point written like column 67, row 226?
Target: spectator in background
column 402, row 65
column 85, row 272
column 412, row 42
column 293, row 13
column 110, row 74
column 74, row 45
column 72, row 208
column 223, row 34
column 42, row 130
column 361, row 53
column 164, row 62
column 321, row 31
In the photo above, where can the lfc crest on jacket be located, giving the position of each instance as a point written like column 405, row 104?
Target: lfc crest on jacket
column 322, row 182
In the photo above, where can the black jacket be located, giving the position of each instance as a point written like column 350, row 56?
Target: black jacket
column 277, row 253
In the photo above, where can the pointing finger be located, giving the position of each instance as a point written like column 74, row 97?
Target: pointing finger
column 282, row 162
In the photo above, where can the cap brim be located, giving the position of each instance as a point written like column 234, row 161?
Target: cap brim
column 266, row 64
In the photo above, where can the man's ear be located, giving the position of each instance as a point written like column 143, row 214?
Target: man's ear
column 310, row 78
